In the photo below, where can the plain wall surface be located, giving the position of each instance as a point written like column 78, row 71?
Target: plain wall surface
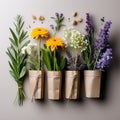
column 107, row 108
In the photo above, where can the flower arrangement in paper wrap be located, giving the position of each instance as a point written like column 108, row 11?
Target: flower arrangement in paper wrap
column 17, row 59
column 55, row 63
column 75, row 43
column 97, row 56
column 36, row 73
column 53, row 60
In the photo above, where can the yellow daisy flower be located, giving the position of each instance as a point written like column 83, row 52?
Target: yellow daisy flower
column 53, row 43
column 39, row 33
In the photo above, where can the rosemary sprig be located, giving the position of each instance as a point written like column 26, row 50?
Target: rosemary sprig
column 17, row 61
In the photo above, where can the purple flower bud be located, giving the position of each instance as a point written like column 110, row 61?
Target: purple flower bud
column 57, row 15
column 103, row 19
column 52, row 26
column 105, row 59
column 89, row 26
column 103, row 41
column 61, row 14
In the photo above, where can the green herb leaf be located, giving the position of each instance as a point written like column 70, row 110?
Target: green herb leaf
column 62, row 62
column 22, row 73
column 14, row 36
column 47, row 58
column 13, row 75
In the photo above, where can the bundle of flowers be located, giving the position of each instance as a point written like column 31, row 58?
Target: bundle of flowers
column 51, row 55
column 34, row 50
column 35, row 62
column 53, row 60
column 97, row 56
column 98, row 53
column 75, row 44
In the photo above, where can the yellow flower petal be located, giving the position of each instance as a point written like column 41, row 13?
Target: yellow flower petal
column 39, row 33
column 53, row 43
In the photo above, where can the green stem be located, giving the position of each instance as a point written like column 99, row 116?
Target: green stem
column 96, row 59
column 54, row 59
column 21, row 94
column 38, row 50
column 89, row 66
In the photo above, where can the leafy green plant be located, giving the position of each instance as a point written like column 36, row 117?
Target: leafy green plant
column 17, row 61
column 58, row 19
column 52, row 60
column 32, row 59
column 51, row 55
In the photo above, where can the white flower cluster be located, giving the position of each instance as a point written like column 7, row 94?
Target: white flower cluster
column 28, row 49
column 75, row 39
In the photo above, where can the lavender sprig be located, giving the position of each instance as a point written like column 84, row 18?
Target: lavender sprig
column 98, row 53
column 58, row 20
column 105, row 59
column 103, row 42
column 89, row 25
column 102, row 45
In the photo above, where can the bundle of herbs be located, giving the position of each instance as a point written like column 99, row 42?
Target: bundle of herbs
column 17, row 60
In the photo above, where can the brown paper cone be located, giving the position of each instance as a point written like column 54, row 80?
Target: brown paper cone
column 36, row 79
column 92, row 79
column 72, row 83
column 54, row 79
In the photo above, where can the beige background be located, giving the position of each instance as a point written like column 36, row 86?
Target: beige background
column 107, row 108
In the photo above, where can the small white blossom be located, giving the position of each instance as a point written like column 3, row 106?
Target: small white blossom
column 74, row 39
column 28, row 49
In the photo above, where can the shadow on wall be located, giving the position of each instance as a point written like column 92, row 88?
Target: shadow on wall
column 114, row 66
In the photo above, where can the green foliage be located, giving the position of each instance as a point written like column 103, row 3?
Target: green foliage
column 47, row 58
column 52, row 60
column 17, row 61
column 32, row 59
column 58, row 19
column 88, row 54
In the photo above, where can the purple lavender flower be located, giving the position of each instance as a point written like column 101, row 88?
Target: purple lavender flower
column 89, row 26
column 61, row 14
column 57, row 15
column 104, row 61
column 52, row 26
column 98, row 53
column 103, row 19
column 103, row 42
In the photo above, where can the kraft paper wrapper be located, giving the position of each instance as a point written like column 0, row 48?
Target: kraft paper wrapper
column 36, row 79
column 92, row 79
column 54, row 80
column 72, row 83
